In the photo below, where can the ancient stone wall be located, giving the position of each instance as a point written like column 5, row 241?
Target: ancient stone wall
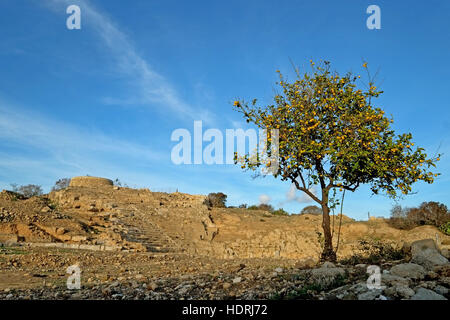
column 90, row 182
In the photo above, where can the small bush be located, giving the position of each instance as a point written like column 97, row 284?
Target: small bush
column 280, row 212
column 216, row 200
column 311, row 210
column 370, row 251
column 263, row 206
column 445, row 228
column 61, row 184
column 266, row 207
column 27, row 191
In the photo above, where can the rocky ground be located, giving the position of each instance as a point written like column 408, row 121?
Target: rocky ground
column 36, row 273
column 138, row 244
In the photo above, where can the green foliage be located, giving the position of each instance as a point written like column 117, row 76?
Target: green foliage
column 445, row 228
column 269, row 208
column 216, row 200
column 330, row 134
column 309, row 289
column 315, row 210
column 280, row 212
column 374, row 251
column 428, row 213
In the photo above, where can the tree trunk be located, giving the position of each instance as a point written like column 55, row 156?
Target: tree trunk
column 328, row 253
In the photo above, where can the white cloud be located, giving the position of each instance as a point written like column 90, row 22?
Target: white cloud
column 33, row 130
column 264, row 199
column 38, row 149
column 292, row 196
column 152, row 88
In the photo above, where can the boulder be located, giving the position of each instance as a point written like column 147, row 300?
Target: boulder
column 408, row 270
column 370, row 294
column 399, row 291
column 426, row 294
column 393, row 280
column 326, row 275
column 425, row 253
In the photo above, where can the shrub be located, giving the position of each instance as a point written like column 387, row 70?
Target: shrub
column 372, row 251
column 445, row 228
column 216, row 200
column 263, row 206
column 27, row 191
column 432, row 213
column 61, row 184
column 311, row 210
column 266, row 207
column 280, row 212
column 428, row 213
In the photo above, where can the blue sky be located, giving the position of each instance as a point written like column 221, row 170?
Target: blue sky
column 105, row 99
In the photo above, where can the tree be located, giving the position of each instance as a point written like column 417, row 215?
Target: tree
column 331, row 136
column 431, row 213
column 216, row 200
column 27, row 191
column 61, row 184
column 398, row 212
column 311, row 210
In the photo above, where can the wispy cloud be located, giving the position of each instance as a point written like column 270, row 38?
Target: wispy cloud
column 153, row 89
column 291, row 195
column 32, row 130
column 39, row 148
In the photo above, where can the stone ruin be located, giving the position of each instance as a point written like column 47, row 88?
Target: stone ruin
column 92, row 182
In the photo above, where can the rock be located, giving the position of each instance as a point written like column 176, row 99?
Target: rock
column 408, row 270
column 426, row 253
column 445, row 252
column 328, row 264
column 46, row 209
column 152, row 286
column 326, row 275
column 426, row 294
column 60, row 231
column 369, row 295
column 184, row 290
column 278, row 270
column 226, row 286
column 404, row 291
column 78, row 238
column 237, row 280
column 441, row 290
